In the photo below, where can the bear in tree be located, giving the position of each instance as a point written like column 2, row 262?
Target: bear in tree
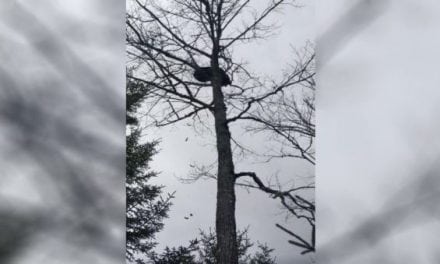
column 204, row 74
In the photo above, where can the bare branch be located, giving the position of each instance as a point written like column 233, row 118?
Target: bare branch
column 299, row 207
column 254, row 25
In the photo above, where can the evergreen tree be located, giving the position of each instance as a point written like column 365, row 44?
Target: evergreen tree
column 180, row 255
column 146, row 208
column 202, row 251
column 263, row 255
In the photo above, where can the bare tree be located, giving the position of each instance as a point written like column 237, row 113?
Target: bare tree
column 290, row 122
column 171, row 40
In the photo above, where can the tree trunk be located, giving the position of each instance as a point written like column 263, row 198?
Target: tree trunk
column 227, row 250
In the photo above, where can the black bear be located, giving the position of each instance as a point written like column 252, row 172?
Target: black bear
column 204, row 74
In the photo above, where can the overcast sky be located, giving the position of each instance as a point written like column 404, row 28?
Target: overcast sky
column 62, row 136
column 378, row 131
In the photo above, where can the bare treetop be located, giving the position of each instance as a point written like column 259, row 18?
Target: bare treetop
column 173, row 39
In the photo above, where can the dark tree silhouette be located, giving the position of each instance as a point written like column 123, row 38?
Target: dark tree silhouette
column 288, row 120
column 171, row 40
column 146, row 209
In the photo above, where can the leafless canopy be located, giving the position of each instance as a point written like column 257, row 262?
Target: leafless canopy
column 168, row 40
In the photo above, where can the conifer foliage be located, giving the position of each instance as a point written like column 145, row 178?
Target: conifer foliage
column 202, row 250
column 146, row 207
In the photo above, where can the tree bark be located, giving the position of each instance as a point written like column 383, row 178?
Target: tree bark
column 227, row 250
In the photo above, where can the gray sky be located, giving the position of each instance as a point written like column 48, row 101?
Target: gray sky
column 378, row 132
column 62, row 170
